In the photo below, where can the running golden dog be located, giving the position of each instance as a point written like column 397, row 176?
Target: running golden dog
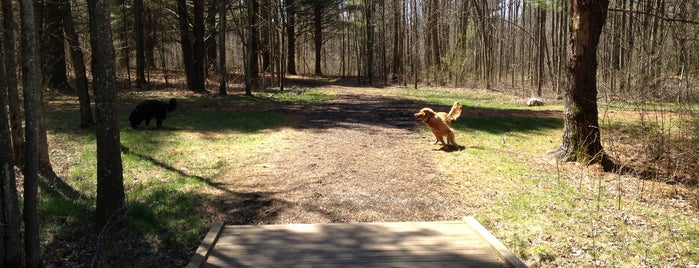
column 440, row 123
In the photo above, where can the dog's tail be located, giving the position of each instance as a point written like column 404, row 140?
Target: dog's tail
column 455, row 111
column 172, row 105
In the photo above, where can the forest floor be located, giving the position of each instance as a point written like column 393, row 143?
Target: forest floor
column 363, row 157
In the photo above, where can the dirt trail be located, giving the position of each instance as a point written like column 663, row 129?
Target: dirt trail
column 356, row 159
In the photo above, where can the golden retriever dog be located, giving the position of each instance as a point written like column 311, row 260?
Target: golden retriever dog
column 440, row 123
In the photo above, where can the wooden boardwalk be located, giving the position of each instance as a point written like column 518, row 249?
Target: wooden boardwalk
column 409, row 244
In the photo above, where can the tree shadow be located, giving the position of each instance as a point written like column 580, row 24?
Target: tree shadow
column 350, row 245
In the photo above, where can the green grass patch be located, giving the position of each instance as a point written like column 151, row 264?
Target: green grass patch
column 563, row 215
column 169, row 174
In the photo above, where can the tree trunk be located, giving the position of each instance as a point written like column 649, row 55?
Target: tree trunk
column 78, row 60
column 199, row 47
column 214, row 34
column 369, row 15
column 318, row 34
column 10, row 234
column 291, row 36
column 140, row 44
column 11, row 82
column 111, row 204
column 222, row 71
column 581, row 138
column 194, row 82
column 252, row 69
column 32, row 246
column 53, row 56
column 398, row 75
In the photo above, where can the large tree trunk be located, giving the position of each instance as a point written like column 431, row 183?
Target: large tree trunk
column 111, row 203
column 78, row 60
column 32, row 240
column 581, row 138
column 11, row 82
column 10, row 239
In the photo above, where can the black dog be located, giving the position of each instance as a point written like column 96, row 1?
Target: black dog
column 148, row 109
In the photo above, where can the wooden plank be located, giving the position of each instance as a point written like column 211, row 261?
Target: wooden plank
column 410, row 244
column 506, row 254
column 206, row 246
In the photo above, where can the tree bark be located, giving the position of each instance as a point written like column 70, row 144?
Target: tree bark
column 11, row 82
column 32, row 246
column 10, row 234
column 199, row 47
column 78, row 60
column 192, row 55
column 398, row 75
column 53, row 56
column 318, row 34
column 140, row 44
column 581, row 137
column 369, row 15
column 222, row 71
column 291, row 36
column 111, row 203
column 252, row 69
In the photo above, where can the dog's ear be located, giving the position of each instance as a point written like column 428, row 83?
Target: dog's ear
column 427, row 111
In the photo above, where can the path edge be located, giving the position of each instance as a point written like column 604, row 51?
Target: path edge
column 206, row 246
column 510, row 259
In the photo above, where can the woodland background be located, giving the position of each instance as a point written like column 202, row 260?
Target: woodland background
column 647, row 55
column 646, row 51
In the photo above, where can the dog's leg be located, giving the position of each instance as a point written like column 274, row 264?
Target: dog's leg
column 159, row 121
column 451, row 139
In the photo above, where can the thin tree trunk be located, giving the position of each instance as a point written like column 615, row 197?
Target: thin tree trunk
column 291, row 36
column 252, row 70
column 199, row 47
column 11, row 82
column 111, row 203
column 10, row 223
column 78, row 60
column 318, row 34
column 222, row 71
column 53, row 56
column 369, row 15
column 32, row 246
column 214, row 34
column 140, row 44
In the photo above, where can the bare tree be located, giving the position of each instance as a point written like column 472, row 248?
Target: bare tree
column 222, row 71
column 251, row 69
column 111, row 202
column 32, row 246
column 11, row 81
column 77, row 57
column 581, row 137
column 10, row 251
column 140, row 44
